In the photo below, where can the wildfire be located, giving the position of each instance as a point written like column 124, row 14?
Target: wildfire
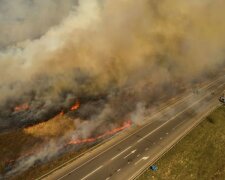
column 125, row 125
column 61, row 113
column 22, row 107
column 75, row 106
column 25, row 106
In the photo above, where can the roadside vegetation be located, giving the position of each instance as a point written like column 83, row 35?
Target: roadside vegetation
column 20, row 142
column 200, row 155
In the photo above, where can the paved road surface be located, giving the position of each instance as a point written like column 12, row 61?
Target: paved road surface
column 127, row 156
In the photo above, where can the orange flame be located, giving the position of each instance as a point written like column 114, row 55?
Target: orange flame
column 75, row 106
column 61, row 113
column 126, row 125
column 22, row 107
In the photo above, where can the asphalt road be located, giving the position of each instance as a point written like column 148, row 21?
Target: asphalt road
column 127, row 156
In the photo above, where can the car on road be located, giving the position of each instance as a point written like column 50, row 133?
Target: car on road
column 222, row 100
column 153, row 168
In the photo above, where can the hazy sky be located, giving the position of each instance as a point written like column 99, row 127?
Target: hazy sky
column 24, row 19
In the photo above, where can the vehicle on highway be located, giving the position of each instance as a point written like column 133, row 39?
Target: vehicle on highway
column 153, row 168
column 222, row 99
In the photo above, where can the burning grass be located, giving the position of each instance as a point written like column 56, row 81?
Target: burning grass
column 46, row 145
column 21, row 142
column 56, row 127
column 200, row 155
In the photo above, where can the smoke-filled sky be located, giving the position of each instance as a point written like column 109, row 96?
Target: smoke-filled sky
column 53, row 50
column 29, row 19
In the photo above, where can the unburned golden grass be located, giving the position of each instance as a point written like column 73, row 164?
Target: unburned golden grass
column 200, row 155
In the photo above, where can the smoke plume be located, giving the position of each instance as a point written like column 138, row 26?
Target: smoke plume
column 116, row 53
column 24, row 19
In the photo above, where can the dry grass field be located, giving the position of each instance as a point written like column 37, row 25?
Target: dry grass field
column 17, row 143
column 200, row 155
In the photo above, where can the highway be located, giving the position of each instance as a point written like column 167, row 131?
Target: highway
column 127, row 155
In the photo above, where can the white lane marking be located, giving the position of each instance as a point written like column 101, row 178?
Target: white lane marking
column 207, row 86
column 152, row 117
column 169, row 145
column 92, row 173
column 220, row 86
column 121, row 153
column 106, row 149
column 144, row 158
column 212, row 82
column 174, row 117
column 118, row 170
column 178, row 125
column 138, row 161
column 132, row 152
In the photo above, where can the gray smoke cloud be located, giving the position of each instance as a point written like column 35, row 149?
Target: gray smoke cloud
column 118, row 51
column 29, row 19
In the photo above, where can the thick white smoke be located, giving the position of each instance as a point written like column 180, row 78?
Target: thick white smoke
column 27, row 19
column 103, row 46
column 114, row 55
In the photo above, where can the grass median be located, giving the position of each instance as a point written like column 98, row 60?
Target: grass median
column 200, row 155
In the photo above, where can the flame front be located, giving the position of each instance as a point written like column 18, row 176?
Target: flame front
column 22, row 107
column 125, row 125
column 75, row 106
